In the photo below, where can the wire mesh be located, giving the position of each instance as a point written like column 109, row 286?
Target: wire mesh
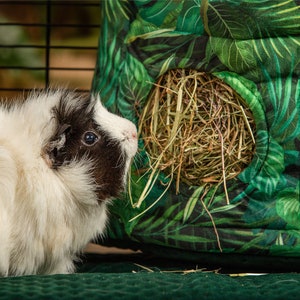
column 47, row 42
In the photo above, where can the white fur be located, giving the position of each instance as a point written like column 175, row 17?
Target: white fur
column 121, row 129
column 47, row 216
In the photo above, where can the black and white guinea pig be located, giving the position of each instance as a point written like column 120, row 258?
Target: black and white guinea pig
column 63, row 156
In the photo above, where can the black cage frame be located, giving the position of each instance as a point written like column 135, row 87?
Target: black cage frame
column 47, row 46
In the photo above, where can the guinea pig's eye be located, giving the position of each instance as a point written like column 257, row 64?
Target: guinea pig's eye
column 90, row 138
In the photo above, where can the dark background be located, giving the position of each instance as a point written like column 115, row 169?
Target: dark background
column 46, row 43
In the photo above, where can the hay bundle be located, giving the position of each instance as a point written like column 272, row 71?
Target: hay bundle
column 196, row 128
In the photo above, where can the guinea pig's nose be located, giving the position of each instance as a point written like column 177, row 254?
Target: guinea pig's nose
column 134, row 135
column 130, row 134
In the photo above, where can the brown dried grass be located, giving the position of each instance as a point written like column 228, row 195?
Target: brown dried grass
column 197, row 129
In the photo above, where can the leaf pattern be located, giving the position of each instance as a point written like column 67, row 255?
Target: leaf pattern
column 242, row 44
column 288, row 206
column 193, row 200
column 268, row 165
column 283, row 95
column 251, row 45
column 189, row 19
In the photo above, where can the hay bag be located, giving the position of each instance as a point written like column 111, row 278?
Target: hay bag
column 197, row 127
column 217, row 175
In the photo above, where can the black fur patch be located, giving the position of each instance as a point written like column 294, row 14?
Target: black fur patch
column 66, row 145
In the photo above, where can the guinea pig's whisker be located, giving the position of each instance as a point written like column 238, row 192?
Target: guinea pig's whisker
column 137, row 159
column 121, row 161
column 113, row 144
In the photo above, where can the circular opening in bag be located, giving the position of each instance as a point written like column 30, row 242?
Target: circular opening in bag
column 196, row 128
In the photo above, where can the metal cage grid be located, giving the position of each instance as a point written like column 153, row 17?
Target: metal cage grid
column 47, row 25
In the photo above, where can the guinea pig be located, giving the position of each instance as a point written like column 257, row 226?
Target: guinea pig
column 63, row 158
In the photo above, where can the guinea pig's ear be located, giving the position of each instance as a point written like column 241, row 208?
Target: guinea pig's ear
column 63, row 129
column 56, row 147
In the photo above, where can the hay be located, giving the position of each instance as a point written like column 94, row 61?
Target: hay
column 197, row 129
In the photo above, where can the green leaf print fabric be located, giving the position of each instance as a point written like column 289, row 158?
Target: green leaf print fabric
column 254, row 47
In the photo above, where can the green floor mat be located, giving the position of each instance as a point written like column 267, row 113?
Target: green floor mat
column 117, row 279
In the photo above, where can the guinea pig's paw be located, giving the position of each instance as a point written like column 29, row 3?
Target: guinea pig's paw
column 65, row 266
